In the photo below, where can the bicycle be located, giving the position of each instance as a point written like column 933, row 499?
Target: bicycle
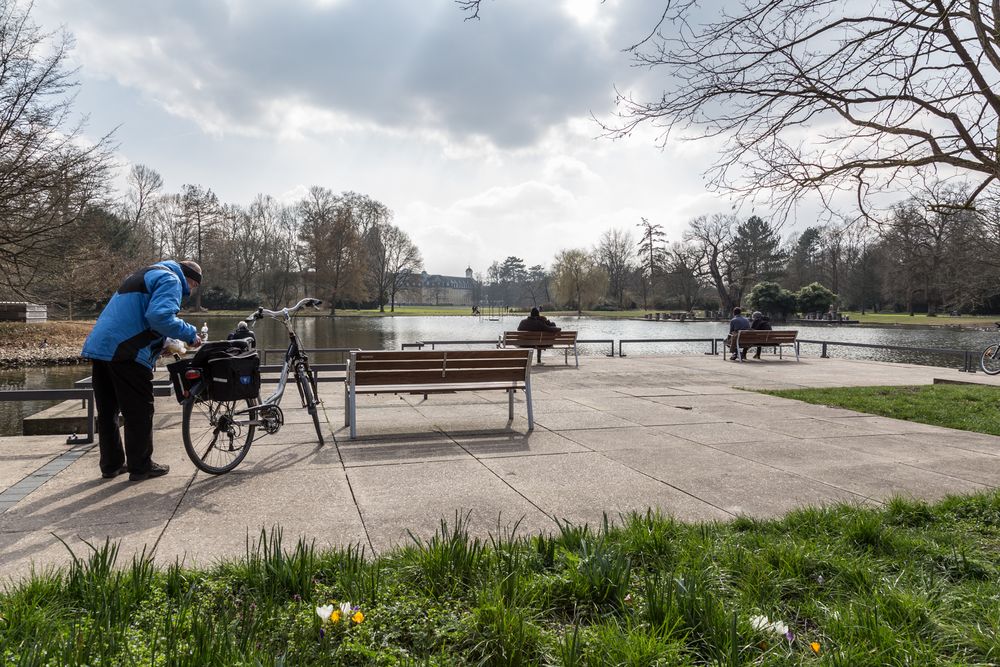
column 218, row 433
column 990, row 361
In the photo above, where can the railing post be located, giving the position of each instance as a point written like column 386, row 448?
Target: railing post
column 621, row 348
column 823, row 355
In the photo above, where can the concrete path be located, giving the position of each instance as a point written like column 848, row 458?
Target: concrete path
column 675, row 433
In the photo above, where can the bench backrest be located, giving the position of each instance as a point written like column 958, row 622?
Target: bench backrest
column 758, row 337
column 539, row 337
column 439, row 367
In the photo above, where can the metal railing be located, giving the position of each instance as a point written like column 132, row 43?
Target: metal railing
column 58, row 395
column 713, row 342
column 969, row 363
column 282, row 350
column 496, row 341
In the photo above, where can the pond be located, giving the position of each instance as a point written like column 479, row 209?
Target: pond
column 390, row 332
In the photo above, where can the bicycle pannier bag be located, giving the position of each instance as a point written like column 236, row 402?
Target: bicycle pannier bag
column 181, row 384
column 234, row 376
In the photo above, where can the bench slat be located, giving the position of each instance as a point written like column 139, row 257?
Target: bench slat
column 449, row 376
column 438, row 388
column 566, row 337
column 419, row 364
column 440, row 354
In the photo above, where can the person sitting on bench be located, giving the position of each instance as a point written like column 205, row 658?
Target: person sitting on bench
column 738, row 323
column 535, row 322
column 758, row 323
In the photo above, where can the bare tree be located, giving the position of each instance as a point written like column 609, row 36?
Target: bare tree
column 615, row 253
column 48, row 174
column 333, row 244
column 201, row 211
column 392, row 258
column 281, row 259
column 810, row 93
column 144, row 184
column 713, row 238
column 684, row 262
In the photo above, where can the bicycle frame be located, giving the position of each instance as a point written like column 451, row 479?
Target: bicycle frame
column 292, row 356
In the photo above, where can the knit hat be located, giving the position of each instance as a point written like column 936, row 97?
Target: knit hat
column 191, row 270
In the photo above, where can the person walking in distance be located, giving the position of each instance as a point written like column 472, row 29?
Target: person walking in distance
column 123, row 347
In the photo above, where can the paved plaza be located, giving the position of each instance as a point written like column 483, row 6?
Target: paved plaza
column 679, row 433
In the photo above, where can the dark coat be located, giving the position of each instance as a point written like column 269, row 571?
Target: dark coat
column 537, row 324
column 763, row 324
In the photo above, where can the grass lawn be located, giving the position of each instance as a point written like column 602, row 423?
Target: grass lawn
column 907, row 584
column 922, row 319
column 966, row 407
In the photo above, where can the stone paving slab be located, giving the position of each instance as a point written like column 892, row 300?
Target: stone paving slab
column 415, row 497
column 679, row 434
column 22, row 456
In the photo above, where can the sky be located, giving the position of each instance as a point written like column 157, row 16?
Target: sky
column 479, row 135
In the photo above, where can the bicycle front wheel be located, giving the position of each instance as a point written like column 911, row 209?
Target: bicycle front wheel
column 990, row 361
column 215, row 437
column 306, row 387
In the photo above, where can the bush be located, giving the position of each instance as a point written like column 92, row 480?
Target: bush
column 815, row 298
column 772, row 299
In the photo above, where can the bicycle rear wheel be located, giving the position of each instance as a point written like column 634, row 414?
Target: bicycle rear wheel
column 306, row 387
column 990, row 361
column 215, row 438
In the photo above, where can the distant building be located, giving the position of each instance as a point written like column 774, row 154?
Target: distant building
column 21, row 311
column 425, row 289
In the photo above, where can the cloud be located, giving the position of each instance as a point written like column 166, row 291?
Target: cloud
column 298, row 67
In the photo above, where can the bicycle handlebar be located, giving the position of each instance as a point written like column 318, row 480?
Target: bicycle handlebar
column 284, row 313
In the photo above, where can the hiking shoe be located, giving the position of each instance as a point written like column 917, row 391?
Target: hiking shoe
column 114, row 473
column 155, row 470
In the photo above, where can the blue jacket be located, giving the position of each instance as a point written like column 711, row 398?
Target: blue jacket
column 738, row 323
column 139, row 315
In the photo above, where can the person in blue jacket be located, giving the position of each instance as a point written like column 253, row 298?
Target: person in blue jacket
column 123, row 348
column 738, row 323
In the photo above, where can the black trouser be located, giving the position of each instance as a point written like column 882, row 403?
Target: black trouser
column 126, row 387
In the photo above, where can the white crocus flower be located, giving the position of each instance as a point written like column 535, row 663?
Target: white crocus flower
column 324, row 612
column 346, row 609
column 763, row 623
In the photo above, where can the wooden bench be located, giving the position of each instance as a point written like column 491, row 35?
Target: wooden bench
column 437, row 372
column 754, row 338
column 543, row 340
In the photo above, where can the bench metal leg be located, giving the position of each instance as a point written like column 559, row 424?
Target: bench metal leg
column 527, row 399
column 576, row 354
column 354, row 413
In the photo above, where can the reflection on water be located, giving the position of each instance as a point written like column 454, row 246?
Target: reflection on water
column 389, row 333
